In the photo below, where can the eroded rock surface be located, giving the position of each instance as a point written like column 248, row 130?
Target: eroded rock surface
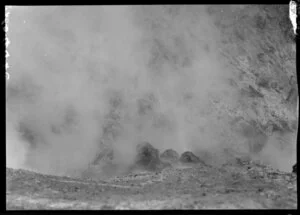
column 170, row 155
column 295, row 168
column 147, row 158
column 189, row 158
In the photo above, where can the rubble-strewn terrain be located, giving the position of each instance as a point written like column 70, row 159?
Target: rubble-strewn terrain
column 153, row 183
column 235, row 185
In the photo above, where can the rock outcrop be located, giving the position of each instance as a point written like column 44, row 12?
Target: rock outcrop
column 189, row 157
column 295, row 168
column 170, row 155
column 147, row 157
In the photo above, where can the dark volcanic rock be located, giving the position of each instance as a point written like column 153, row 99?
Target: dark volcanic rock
column 170, row 155
column 295, row 168
column 147, row 156
column 189, row 157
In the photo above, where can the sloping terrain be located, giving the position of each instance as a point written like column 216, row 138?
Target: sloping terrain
column 242, row 184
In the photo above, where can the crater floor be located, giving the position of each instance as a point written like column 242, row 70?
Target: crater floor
column 231, row 186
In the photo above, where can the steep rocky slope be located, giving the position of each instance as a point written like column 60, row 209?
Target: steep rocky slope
column 258, row 45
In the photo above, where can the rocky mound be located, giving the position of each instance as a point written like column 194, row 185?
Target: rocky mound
column 189, row 157
column 170, row 155
column 148, row 157
column 295, row 168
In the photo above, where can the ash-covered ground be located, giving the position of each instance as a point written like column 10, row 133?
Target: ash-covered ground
column 158, row 182
column 161, row 106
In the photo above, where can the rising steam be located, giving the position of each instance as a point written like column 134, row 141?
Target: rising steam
column 84, row 79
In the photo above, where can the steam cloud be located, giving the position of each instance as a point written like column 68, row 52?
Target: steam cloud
column 84, row 79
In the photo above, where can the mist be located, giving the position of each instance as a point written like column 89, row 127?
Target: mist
column 91, row 78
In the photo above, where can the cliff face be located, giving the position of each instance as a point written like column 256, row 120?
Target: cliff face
column 259, row 46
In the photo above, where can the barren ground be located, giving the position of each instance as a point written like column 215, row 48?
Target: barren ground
column 235, row 186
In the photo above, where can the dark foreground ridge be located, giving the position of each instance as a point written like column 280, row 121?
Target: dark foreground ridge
column 251, row 185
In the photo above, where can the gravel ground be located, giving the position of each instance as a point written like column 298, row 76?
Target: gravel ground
column 251, row 186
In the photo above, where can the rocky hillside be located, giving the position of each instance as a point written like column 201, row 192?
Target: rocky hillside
column 259, row 46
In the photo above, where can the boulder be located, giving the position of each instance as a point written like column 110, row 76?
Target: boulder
column 189, row 157
column 170, row 155
column 147, row 156
column 295, row 168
